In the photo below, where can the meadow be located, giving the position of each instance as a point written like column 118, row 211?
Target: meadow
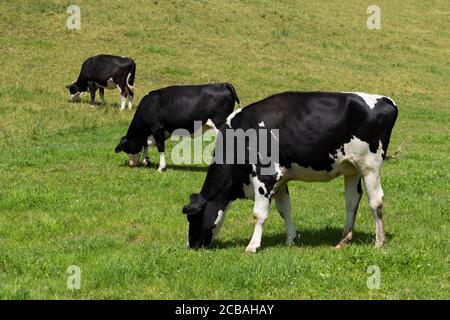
column 67, row 199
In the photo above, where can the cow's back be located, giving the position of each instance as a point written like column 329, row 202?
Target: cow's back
column 177, row 107
column 314, row 125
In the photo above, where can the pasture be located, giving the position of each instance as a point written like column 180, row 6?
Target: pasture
column 67, row 199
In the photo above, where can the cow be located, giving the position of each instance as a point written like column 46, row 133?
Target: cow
column 163, row 111
column 105, row 72
column 320, row 136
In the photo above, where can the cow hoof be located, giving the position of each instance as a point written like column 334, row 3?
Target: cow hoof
column 343, row 243
column 251, row 249
column 290, row 241
column 146, row 162
column 346, row 237
column 379, row 244
column 161, row 170
column 340, row 245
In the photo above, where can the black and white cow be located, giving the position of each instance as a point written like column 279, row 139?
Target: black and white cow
column 320, row 136
column 163, row 111
column 105, row 72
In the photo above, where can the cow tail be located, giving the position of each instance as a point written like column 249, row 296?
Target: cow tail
column 130, row 78
column 233, row 92
column 393, row 112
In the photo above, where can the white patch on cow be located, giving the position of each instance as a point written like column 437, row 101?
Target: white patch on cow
column 133, row 159
column 124, row 101
column 357, row 152
column 211, row 125
column 262, row 124
column 370, row 99
column 356, row 156
column 278, row 170
column 219, row 221
column 162, row 162
column 75, row 97
column 219, row 217
column 260, row 213
column 130, row 102
column 231, row 116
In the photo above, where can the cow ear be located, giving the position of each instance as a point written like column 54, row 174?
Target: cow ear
column 196, row 206
column 193, row 197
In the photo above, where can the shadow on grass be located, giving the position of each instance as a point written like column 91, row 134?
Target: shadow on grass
column 100, row 105
column 175, row 167
column 327, row 237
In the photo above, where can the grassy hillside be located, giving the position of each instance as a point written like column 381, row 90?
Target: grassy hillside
column 67, row 199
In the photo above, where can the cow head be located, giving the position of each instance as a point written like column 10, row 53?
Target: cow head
column 131, row 147
column 205, row 218
column 74, row 92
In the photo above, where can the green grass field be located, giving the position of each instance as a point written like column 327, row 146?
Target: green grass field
column 67, row 199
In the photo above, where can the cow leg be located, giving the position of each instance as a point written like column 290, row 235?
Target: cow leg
column 92, row 89
column 130, row 99
column 353, row 194
column 159, row 139
column 146, row 157
column 260, row 213
column 283, row 203
column 101, row 91
column 375, row 195
column 162, row 162
column 123, row 94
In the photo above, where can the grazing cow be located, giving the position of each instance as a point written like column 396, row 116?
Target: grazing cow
column 320, row 136
column 105, row 72
column 163, row 111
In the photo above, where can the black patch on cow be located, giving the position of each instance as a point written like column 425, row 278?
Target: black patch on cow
column 261, row 190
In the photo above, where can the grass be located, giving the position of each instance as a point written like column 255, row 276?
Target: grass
column 67, row 199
